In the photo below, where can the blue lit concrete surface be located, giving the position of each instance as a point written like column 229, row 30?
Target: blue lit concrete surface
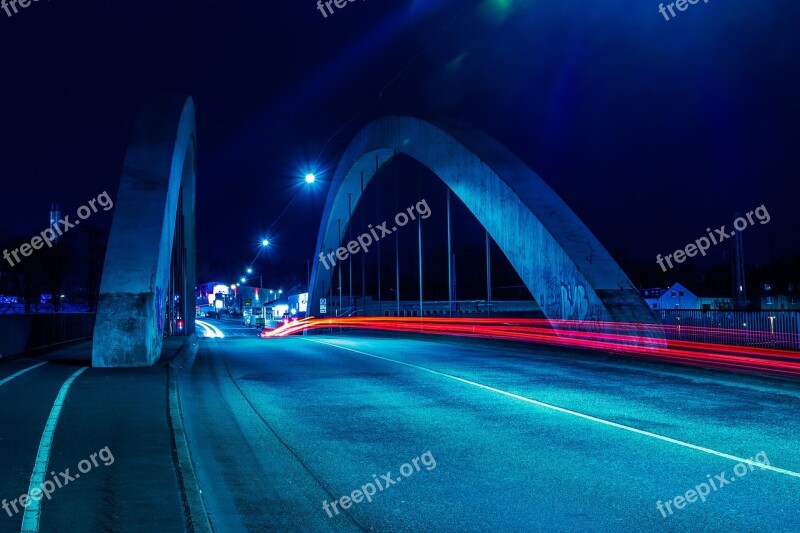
column 430, row 265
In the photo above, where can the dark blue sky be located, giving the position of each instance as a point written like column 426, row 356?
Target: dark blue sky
column 650, row 130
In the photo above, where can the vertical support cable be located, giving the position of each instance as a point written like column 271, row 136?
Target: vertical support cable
column 350, row 262
column 363, row 256
column 488, row 275
column 449, row 255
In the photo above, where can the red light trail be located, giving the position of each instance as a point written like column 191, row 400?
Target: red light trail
column 645, row 341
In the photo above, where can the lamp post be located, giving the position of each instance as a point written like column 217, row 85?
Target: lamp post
column 309, row 180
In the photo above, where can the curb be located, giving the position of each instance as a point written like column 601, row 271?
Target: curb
column 196, row 515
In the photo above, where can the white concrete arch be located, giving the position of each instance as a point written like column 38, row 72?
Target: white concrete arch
column 158, row 175
column 566, row 269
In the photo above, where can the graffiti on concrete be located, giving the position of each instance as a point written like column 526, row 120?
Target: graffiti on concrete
column 574, row 303
column 160, row 308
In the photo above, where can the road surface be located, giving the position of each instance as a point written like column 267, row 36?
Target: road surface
column 493, row 437
column 341, row 432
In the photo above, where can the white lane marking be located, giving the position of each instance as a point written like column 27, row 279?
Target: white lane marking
column 577, row 414
column 206, row 331
column 9, row 378
column 215, row 331
column 30, row 520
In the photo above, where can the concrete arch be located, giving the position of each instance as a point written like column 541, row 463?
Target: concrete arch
column 566, row 269
column 158, row 177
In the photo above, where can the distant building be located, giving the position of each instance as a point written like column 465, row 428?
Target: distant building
column 678, row 296
column 706, row 303
column 675, row 297
column 55, row 217
column 207, row 293
column 788, row 299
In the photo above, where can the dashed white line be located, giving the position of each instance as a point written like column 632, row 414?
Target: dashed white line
column 9, row 378
column 30, row 520
column 575, row 413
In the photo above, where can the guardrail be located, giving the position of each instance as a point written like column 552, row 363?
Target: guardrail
column 763, row 329
column 26, row 332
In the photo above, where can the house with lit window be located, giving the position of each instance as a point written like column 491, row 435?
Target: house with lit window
column 675, row 297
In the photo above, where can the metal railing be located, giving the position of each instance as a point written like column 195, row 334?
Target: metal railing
column 764, row 329
column 26, row 332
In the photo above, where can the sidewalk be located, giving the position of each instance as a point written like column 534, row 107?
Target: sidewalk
column 126, row 411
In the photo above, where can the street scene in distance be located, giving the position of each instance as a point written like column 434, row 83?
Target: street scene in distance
column 417, row 265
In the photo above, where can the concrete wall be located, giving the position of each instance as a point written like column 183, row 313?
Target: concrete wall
column 564, row 266
column 23, row 333
column 160, row 163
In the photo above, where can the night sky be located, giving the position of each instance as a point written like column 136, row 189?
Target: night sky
column 650, row 130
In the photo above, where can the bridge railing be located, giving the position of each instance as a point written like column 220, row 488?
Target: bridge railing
column 435, row 308
column 764, row 329
column 26, row 332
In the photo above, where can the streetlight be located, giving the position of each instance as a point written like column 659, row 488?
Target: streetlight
column 264, row 243
column 310, row 178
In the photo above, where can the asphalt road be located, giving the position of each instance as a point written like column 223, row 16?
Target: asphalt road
column 229, row 327
column 495, row 438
